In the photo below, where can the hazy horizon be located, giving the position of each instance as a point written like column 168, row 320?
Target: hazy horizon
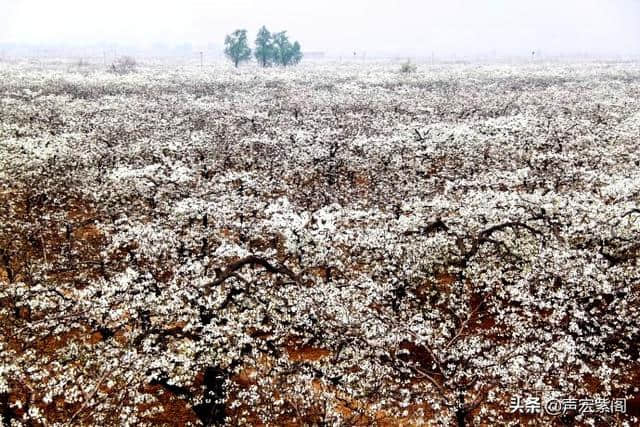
column 404, row 27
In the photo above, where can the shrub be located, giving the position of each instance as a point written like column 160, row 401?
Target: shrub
column 408, row 67
column 124, row 65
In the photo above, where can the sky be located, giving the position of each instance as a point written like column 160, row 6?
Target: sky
column 402, row 27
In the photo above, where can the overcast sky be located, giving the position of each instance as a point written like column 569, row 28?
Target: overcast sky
column 403, row 26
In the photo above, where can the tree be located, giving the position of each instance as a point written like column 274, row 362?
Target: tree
column 281, row 47
column 285, row 53
column 296, row 54
column 276, row 48
column 236, row 47
column 264, row 47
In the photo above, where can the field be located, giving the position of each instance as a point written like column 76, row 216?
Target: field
column 331, row 244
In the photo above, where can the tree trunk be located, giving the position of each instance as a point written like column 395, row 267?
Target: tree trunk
column 461, row 417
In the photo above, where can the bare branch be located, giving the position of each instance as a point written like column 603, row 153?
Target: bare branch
column 252, row 260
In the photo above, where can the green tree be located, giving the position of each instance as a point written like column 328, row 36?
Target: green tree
column 281, row 47
column 236, row 47
column 296, row 54
column 285, row 53
column 264, row 47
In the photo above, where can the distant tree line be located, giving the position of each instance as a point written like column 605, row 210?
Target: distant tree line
column 270, row 48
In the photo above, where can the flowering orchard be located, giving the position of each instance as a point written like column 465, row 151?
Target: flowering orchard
column 336, row 244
